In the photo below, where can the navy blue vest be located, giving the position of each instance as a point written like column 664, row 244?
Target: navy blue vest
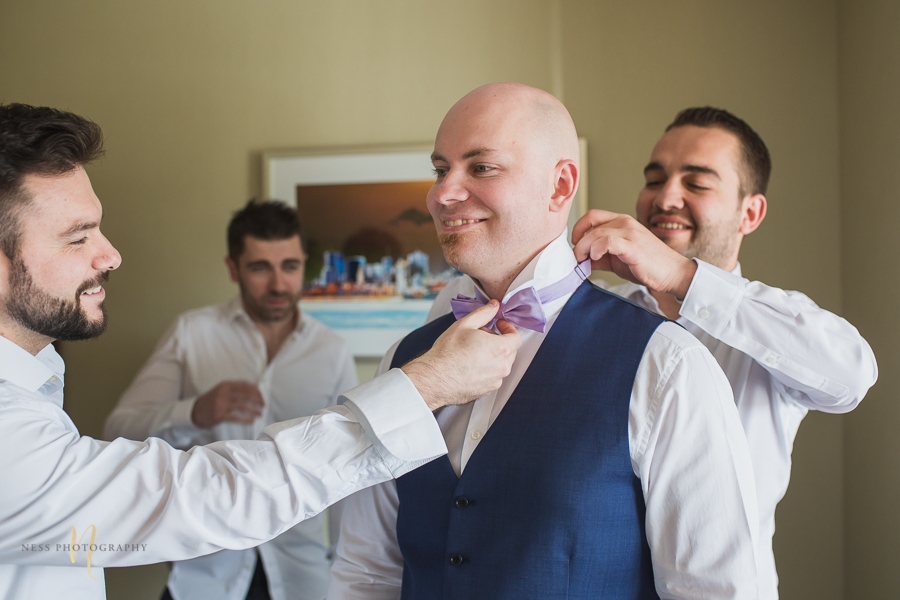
column 548, row 505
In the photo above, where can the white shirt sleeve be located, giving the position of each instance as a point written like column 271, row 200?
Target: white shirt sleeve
column 688, row 449
column 227, row 495
column 153, row 404
column 819, row 358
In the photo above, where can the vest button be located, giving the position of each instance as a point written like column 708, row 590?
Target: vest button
column 461, row 502
column 456, row 559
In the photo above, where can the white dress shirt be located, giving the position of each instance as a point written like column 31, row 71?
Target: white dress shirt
column 783, row 356
column 146, row 502
column 201, row 349
column 686, row 447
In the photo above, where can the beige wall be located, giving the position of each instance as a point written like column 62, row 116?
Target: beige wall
column 870, row 148
column 189, row 94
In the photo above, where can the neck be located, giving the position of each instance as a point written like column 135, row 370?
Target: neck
column 496, row 287
column 24, row 338
column 276, row 332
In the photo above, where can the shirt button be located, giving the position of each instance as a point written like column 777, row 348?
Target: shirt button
column 53, row 379
column 461, row 502
column 771, row 360
column 704, row 313
column 476, row 435
column 456, row 559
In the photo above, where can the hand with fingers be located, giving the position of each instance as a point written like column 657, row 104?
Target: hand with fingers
column 235, row 401
column 467, row 361
column 618, row 243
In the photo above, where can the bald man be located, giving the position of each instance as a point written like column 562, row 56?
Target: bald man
column 611, row 461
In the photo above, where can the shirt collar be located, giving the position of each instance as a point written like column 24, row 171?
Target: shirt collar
column 19, row 367
column 552, row 264
column 234, row 309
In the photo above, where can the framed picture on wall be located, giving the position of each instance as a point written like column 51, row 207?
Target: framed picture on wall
column 375, row 264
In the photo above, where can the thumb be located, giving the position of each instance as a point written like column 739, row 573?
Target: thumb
column 480, row 317
column 506, row 328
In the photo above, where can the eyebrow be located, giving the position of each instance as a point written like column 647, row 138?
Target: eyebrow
column 436, row 156
column 79, row 227
column 655, row 166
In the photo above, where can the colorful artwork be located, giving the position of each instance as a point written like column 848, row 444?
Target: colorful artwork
column 375, row 263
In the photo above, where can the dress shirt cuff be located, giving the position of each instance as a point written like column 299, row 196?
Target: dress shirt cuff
column 713, row 298
column 396, row 418
column 181, row 413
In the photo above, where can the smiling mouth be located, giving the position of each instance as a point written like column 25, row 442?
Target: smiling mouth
column 460, row 222
column 672, row 226
column 92, row 291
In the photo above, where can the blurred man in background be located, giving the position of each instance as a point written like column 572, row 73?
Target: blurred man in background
column 225, row 372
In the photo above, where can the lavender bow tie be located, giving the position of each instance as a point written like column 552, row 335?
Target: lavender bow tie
column 524, row 307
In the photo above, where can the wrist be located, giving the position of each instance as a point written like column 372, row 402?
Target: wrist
column 418, row 372
column 686, row 277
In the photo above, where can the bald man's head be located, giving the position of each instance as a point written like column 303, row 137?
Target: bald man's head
column 507, row 163
column 537, row 117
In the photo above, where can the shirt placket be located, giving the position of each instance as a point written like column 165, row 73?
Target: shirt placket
column 479, row 422
column 263, row 380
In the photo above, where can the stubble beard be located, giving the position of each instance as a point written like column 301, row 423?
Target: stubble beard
column 266, row 314
column 55, row 318
column 714, row 245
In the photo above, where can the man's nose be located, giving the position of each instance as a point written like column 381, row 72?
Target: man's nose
column 107, row 257
column 279, row 281
column 450, row 188
column 670, row 196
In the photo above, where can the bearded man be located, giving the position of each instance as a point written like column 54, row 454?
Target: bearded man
column 225, row 372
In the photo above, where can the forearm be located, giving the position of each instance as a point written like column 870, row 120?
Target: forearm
column 817, row 356
column 155, row 404
column 231, row 495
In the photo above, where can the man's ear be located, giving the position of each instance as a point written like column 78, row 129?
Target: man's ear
column 232, row 269
column 753, row 212
column 565, row 184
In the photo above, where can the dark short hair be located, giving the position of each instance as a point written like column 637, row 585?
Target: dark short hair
column 267, row 220
column 757, row 165
column 38, row 140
